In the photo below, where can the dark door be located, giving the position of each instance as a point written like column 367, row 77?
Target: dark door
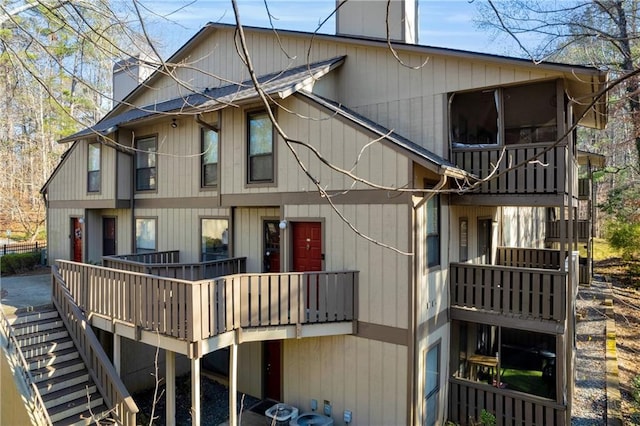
column 271, row 244
column 272, row 369
column 108, row 236
column 307, row 246
column 484, row 241
column 76, row 239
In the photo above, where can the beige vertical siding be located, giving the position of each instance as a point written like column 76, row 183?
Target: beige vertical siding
column 179, row 228
column 364, row 376
column 384, row 274
column 75, row 171
column 371, row 80
column 339, row 143
column 247, row 236
column 250, row 369
column 472, row 213
column 523, row 227
column 59, row 231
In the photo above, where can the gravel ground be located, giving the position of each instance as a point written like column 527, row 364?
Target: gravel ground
column 590, row 402
column 214, row 404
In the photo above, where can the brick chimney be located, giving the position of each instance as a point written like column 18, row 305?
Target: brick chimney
column 367, row 18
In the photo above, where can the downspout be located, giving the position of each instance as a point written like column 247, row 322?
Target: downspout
column 412, row 354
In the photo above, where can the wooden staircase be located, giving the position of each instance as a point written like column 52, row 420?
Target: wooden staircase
column 60, row 374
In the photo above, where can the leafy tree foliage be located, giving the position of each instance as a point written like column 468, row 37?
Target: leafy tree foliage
column 600, row 33
column 55, row 72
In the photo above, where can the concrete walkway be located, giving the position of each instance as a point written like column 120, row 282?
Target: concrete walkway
column 22, row 292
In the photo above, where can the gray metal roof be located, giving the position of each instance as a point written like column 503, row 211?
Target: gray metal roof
column 283, row 83
column 445, row 166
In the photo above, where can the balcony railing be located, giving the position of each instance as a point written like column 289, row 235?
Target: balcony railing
column 467, row 399
column 164, row 264
column 544, row 175
column 554, row 229
column 526, row 292
column 196, row 310
column 524, row 257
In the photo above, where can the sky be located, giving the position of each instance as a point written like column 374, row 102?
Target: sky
column 443, row 23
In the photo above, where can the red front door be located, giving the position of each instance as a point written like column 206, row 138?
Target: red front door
column 76, row 240
column 307, row 246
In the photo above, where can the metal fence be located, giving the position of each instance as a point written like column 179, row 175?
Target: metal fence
column 22, row 248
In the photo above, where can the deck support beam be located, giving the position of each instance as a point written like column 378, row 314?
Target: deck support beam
column 170, row 392
column 195, row 392
column 233, row 384
column 117, row 352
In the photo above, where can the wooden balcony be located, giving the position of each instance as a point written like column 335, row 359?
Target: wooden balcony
column 166, row 264
column 467, row 399
column 545, row 177
column 525, row 293
column 192, row 311
column 555, row 229
column 525, row 284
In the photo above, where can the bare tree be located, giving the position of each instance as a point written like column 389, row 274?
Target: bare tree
column 601, row 33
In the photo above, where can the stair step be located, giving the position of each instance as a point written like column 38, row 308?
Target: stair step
column 37, row 326
column 63, row 381
column 43, row 336
column 74, row 407
column 82, row 419
column 56, row 370
column 33, row 316
column 52, row 358
column 42, row 348
column 68, row 394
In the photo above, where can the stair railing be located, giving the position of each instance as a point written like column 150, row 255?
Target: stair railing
column 16, row 356
column 102, row 372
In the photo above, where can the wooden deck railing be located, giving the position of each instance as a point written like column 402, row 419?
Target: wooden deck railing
column 467, row 399
column 170, row 256
column 523, row 257
column 554, row 229
column 545, row 175
column 196, row 310
column 102, row 372
column 527, row 292
column 185, row 271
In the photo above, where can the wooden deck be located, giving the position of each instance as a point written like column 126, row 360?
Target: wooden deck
column 542, row 173
column 195, row 311
column 525, row 283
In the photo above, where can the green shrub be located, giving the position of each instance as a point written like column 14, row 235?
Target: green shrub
column 624, row 236
column 15, row 263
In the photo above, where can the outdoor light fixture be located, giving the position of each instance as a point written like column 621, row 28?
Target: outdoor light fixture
column 283, row 224
column 174, row 123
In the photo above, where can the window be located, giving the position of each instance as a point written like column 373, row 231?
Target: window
column 209, row 158
column 431, row 385
column 474, row 118
column 146, row 164
column 432, row 224
column 215, row 239
column 260, row 149
column 93, row 168
column 145, row 235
